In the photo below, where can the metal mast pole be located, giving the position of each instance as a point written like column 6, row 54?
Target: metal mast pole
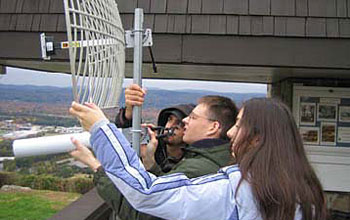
column 136, row 114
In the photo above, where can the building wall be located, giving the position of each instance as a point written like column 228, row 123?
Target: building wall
column 332, row 174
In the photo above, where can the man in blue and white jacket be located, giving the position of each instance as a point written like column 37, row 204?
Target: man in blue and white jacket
column 211, row 197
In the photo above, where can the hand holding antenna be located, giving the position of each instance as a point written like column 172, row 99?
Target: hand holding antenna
column 134, row 96
column 88, row 114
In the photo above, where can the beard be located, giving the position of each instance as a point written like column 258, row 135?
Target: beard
column 173, row 140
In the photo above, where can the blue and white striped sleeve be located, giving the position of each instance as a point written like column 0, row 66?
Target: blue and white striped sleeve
column 170, row 197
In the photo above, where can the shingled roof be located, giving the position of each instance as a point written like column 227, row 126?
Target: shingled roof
column 221, row 35
column 282, row 18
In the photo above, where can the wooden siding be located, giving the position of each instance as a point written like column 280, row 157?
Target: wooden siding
column 281, row 18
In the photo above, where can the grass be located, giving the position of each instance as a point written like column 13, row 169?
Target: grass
column 33, row 205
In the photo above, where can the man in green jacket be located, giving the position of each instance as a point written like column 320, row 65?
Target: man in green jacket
column 209, row 149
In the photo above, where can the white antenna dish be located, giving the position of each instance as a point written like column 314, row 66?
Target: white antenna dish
column 96, row 51
column 97, row 61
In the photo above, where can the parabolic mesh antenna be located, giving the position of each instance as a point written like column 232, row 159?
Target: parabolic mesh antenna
column 96, row 50
column 97, row 62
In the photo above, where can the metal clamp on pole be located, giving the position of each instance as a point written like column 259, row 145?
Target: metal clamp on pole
column 147, row 40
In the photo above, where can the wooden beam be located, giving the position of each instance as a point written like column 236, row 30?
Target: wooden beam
column 2, row 69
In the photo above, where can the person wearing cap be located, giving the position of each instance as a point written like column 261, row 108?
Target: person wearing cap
column 207, row 151
column 161, row 154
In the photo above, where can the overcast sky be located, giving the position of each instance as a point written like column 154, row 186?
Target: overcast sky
column 16, row 76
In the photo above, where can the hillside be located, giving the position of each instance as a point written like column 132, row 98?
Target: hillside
column 38, row 94
column 44, row 100
column 159, row 99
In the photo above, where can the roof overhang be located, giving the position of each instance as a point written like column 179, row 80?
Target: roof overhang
column 207, row 57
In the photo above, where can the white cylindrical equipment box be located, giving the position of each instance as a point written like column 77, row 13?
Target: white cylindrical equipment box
column 48, row 145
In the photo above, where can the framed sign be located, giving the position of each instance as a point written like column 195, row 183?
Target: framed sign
column 326, row 112
column 344, row 113
column 343, row 134
column 307, row 113
column 328, row 133
column 310, row 135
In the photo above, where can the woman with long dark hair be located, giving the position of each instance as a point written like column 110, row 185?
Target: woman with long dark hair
column 273, row 179
column 272, row 159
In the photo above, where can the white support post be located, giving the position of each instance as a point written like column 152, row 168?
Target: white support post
column 136, row 114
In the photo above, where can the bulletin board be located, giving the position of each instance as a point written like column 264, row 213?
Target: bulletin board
column 323, row 115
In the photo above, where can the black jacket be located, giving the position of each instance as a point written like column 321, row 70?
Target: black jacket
column 180, row 111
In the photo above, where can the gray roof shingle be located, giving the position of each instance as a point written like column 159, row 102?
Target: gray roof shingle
column 61, row 24
column 177, row 24
column 188, row 24
column 316, row 27
column 19, row 5
column 148, row 21
column 56, row 7
column 161, row 23
column 280, row 26
column 244, row 25
column 49, row 22
column 200, row 24
column 158, row 6
column 259, row 7
column 36, row 22
column 36, row 6
column 127, row 6
column 194, row 6
column 283, row 7
column 177, row 6
column 322, row 8
column 24, row 22
column 145, row 4
column 332, row 27
column 257, row 25
column 13, row 22
column 295, row 27
column 128, row 21
column 232, row 24
column 235, row 6
column 301, row 8
column 8, row 6
column 5, row 21
column 344, row 28
column 341, row 8
column 217, row 24
column 268, row 25
column 212, row 7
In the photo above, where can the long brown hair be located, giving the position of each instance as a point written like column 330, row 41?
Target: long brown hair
column 276, row 165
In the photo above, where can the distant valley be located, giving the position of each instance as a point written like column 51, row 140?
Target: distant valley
column 44, row 100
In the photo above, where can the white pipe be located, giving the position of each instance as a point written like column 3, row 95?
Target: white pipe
column 136, row 114
column 48, row 144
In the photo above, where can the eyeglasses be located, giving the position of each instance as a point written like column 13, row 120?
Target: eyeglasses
column 193, row 116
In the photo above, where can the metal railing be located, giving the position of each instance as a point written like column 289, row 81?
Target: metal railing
column 88, row 207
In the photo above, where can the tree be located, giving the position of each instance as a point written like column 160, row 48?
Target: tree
column 65, row 172
column 9, row 165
